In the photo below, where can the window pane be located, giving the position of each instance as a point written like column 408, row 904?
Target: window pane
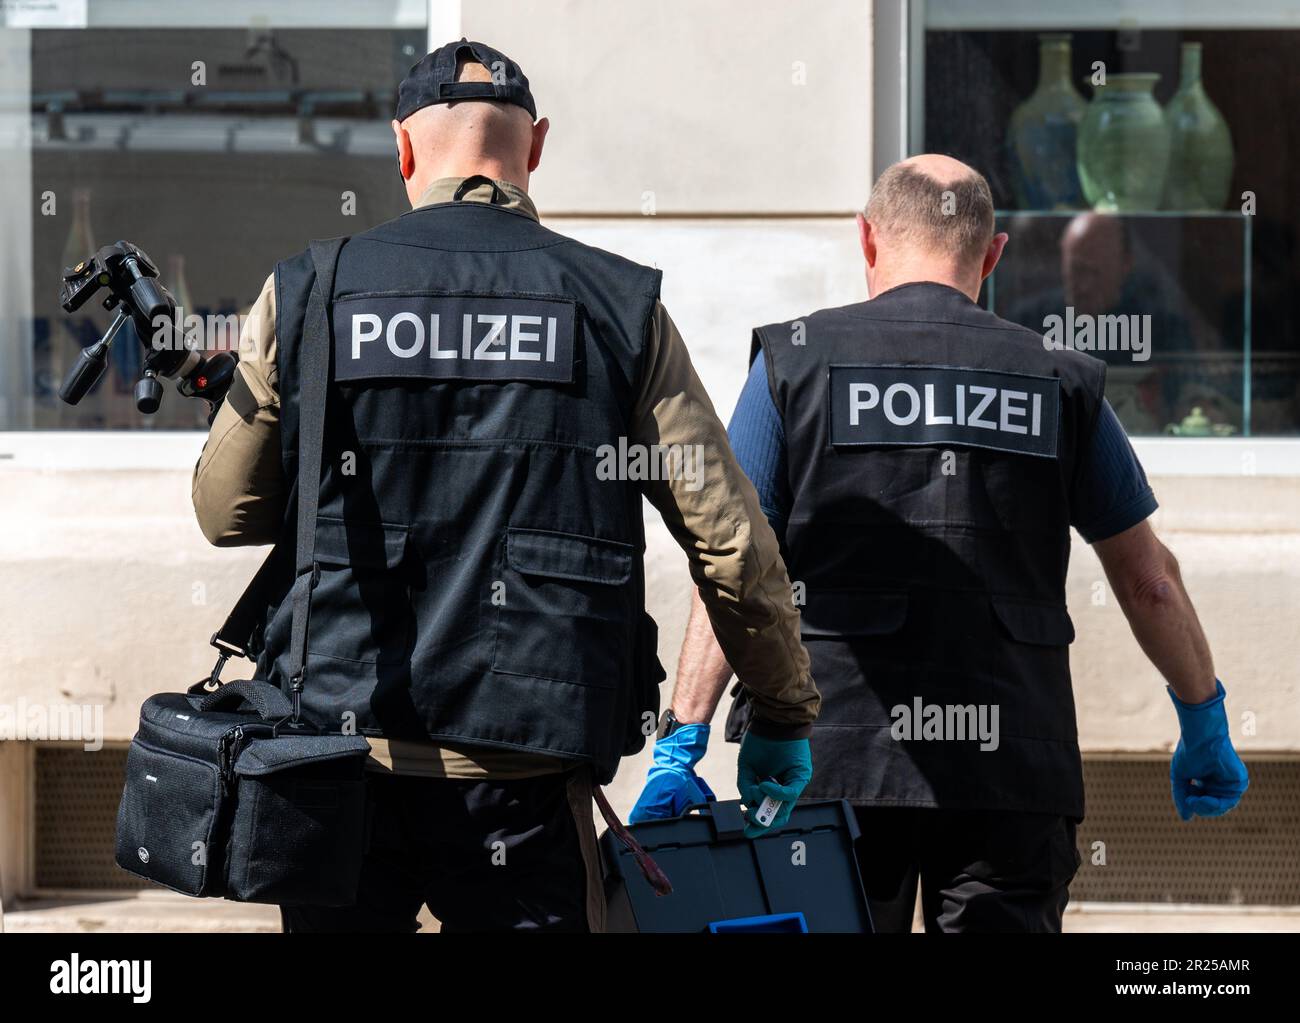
column 1197, row 182
column 217, row 171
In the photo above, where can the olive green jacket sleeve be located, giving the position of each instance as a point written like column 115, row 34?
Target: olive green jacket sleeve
column 714, row 515
column 239, row 488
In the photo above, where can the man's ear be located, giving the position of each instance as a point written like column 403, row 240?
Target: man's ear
column 867, row 239
column 993, row 253
column 405, row 151
column 539, row 140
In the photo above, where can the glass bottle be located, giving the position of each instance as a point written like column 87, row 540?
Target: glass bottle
column 1043, row 133
column 1200, row 159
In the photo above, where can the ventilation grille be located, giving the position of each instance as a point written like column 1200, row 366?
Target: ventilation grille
column 1249, row 857
column 77, row 793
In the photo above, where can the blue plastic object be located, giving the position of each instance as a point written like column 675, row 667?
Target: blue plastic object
column 672, row 784
column 1207, row 777
column 773, row 923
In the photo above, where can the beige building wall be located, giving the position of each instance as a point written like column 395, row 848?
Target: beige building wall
column 728, row 107
column 735, row 169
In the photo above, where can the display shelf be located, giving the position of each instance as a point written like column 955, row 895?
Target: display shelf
column 1165, row 299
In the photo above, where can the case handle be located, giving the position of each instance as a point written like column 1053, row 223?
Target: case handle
column 269, row 702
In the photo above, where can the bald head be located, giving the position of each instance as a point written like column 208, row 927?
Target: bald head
column 467, row 137
column 930, row 218
column 934, row 204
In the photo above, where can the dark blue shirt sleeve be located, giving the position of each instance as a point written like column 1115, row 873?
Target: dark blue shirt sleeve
column 758, row 438
column 1112, row 493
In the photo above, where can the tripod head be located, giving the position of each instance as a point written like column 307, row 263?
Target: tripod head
column 134, row 290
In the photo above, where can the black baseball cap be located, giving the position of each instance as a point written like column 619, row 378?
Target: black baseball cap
column 432, row 79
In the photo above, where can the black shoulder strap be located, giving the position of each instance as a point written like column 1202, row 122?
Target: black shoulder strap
column 313, row 388
column 233, row 638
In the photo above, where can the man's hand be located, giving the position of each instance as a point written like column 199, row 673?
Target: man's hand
column 671, row 784
column 779, row 769
column 1207, row 776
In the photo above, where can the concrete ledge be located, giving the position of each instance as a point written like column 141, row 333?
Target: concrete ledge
column 139, row 913
column 1131, row 918
column 159, row 913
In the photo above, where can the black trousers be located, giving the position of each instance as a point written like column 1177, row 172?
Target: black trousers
column 482, row 855
column 980, row 871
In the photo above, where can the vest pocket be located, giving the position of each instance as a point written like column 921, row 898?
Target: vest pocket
column 360, row 608
column 564, row 612
column 162, row 822
column 1032, row 623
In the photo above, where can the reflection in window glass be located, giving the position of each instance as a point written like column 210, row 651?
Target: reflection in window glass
column 285, row 139
column 1158, row 197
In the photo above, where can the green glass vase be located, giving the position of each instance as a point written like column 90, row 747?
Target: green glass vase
column 1124, row 145
column 1043, row 133
column 1200, row 156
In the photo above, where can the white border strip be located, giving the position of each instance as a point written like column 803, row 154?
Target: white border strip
column 1228, row 456
column 1176, row 909
column 1110, row 14
column 172, row 450
column 100, row 450
column 259, row 13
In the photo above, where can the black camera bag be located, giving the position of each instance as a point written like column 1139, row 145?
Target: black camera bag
column 229, row 791
column 220, row 800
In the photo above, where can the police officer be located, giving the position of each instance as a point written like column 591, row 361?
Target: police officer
column 501, row 395
column 923, row 461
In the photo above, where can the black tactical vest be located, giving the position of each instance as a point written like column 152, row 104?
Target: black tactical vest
column 478, row 583
column 932, row 450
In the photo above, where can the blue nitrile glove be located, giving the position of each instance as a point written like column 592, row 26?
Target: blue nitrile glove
column 780, row 768
column 1207, row 776
column 671, row 784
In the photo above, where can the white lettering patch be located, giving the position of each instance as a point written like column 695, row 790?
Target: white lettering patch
column 926, row 405
column 454, row 337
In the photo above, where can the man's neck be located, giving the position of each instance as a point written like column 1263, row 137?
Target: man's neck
column 497, row 170
column 883, row 280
